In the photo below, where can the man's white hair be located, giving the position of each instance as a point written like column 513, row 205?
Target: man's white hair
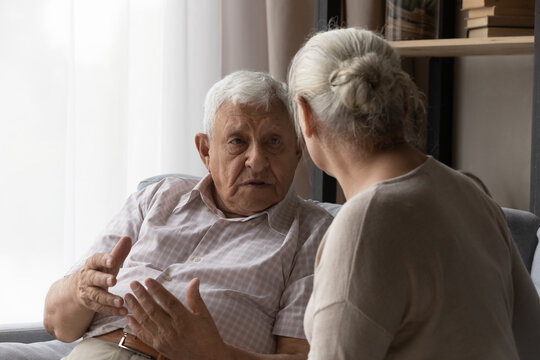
column 251, row 88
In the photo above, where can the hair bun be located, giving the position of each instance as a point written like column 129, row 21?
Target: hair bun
column 359, row 82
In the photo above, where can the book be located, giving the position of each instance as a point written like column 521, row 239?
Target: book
column 499, row 31
column 402, row 24
column 472, row 4
column 501, row 21
column 497, row 10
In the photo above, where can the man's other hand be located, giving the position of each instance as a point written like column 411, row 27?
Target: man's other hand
column 97, row 275
column 162, row 321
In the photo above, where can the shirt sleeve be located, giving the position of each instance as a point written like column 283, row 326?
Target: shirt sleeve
column 294, row 299
column 127, row 222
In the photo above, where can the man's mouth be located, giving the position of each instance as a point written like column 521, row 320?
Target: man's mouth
column 255, row 183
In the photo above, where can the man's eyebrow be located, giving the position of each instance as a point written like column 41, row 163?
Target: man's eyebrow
column 234, row 130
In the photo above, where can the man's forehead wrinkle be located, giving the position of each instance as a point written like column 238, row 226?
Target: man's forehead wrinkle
column 265, row 123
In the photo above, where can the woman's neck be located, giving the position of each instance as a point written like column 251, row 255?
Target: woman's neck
column 356, row 171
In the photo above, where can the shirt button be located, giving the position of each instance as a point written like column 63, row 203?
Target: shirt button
column 197, row 259
column 167, row 278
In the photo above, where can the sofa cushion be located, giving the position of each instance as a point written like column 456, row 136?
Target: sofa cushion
column 44, row 350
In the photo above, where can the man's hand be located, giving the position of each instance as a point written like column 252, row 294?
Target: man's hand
column 97, row 275
column 171, row 328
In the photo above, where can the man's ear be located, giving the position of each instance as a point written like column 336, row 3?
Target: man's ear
column 203, row 146
column 305, row 117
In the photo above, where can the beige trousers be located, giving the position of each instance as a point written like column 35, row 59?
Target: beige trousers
column 94, row 349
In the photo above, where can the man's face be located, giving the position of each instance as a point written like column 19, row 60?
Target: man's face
column 252, row 157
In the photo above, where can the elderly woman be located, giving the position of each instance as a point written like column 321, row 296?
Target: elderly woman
column 419, row 263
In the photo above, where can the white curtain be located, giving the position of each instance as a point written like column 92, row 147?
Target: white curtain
column 94, row 97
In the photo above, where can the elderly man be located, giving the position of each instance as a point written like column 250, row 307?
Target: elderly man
column 238, row 246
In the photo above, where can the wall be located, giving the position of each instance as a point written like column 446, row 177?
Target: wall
column 492, row 122
column 493, row 114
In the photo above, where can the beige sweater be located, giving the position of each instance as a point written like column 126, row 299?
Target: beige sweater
column 422, row 267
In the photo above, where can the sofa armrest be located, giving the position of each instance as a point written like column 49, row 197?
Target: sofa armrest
column 24, row 333
column 523, row 226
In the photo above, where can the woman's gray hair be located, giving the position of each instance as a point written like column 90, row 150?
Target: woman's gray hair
column 355, row 86
column 244, row 87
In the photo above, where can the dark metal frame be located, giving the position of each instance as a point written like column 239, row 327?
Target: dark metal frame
column 323, row 186
column 535, row 131
column 441, row 92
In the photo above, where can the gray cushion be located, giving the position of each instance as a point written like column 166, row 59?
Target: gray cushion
column 157, row 178
column 45, row 350
column 523, row 225
column 25, row 333
column 30, row 341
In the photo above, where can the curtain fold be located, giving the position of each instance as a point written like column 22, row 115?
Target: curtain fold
column 264, row 35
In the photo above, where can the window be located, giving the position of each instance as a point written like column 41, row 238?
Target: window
column 96, row 95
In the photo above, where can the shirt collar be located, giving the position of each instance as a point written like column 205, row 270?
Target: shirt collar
column 279, row 216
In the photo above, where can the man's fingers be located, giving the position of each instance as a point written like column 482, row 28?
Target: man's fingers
column 168, row 301
column 140, row 331
column 90, row 277
column 102, row 301
column 110, row 262
column 194, row 299
column 142, row 322
column 145, row 309
column 119, row 253
column 112, row 311
column 97, row 261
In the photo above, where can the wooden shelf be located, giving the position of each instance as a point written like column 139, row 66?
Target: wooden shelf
column 510, row 45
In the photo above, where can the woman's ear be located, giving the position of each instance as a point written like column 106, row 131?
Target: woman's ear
column 305, row 117
column 203, row 146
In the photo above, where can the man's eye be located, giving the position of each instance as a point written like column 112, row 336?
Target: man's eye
column 236, row 141
column 275, row 141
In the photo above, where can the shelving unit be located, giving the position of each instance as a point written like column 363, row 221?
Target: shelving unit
column 441, row 53
column 513, row 45
column 517, row 45
column 449, row 48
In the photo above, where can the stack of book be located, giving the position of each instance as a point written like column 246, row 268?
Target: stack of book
column 489, row 18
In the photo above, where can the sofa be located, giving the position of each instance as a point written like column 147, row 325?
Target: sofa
column 32, row 342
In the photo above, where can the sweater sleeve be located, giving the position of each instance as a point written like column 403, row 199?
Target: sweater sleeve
column 361, row 287
column 341, row 331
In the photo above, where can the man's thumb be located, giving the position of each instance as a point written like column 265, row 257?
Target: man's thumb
column 194, row 299
column 120, row 252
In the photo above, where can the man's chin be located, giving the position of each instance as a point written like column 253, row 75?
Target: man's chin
column 256, row 201
column 258, row 206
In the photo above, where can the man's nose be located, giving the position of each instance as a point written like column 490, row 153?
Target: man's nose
column 257, row 158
